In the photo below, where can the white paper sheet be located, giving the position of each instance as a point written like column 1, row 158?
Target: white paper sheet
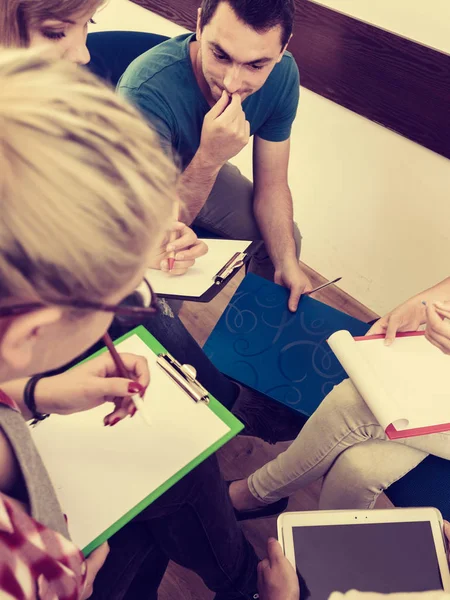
column 406, row 384
column 201, row 276
column 100, row 473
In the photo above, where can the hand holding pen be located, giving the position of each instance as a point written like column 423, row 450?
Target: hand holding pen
column 184, row 249
column 437, row 329
column 135, row 389
column 91, row 384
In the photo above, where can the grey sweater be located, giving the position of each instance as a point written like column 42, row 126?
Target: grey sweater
column 42, row 499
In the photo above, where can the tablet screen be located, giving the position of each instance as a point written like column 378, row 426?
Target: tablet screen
column 374, row 557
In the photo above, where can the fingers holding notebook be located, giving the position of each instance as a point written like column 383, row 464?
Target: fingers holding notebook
column 406, row 317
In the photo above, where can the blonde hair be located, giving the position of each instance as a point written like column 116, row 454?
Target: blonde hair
column 85, row 188
column 18, row 16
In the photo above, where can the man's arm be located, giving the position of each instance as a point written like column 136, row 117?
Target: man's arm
column 195, row 185
column 225, row 132
column 274, row 214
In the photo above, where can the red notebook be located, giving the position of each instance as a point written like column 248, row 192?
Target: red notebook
column 406, row 385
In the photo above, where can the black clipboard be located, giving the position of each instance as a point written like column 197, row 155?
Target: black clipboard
column 222, row 277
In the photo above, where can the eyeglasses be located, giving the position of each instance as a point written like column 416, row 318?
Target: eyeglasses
column 128, row 312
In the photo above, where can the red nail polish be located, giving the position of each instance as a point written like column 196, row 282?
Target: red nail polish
column 133, row 412
column 135, row 388
column 114, row 422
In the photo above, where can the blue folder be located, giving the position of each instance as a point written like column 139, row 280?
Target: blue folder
column 260, row 343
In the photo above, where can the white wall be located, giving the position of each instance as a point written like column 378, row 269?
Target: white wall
column 424, row 21
column 373, row 207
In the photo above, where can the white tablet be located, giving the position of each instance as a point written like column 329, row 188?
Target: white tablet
column 386, row 551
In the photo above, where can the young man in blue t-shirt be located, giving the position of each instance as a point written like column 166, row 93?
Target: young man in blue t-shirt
column 206, row 94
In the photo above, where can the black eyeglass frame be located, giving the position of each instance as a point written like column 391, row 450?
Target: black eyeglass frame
column 120, row 310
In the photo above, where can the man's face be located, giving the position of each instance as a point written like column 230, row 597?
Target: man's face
column 235, row 57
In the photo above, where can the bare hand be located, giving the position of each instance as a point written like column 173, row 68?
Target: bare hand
column 187, row 247
column 94, row 562
column 438, row 330
column 406, row 317
column 225, row 130
column 292, row 277
column 91, row 384
column 277, row 579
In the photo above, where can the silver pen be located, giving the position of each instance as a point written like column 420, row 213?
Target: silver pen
column 320, row 287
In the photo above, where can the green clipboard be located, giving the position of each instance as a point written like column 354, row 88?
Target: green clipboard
column 235, row 426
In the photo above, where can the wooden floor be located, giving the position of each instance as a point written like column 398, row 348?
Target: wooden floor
column 243, row 455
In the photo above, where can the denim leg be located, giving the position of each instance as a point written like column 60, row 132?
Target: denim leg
column 134, row 568
column 195, row 526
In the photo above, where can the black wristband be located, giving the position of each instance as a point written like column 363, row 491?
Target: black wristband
column 29, row 400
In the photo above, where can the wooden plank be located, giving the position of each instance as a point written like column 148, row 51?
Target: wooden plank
column 391, row 80
column 388, row 79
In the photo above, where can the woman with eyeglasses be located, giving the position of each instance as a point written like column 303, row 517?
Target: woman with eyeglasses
column 86, row 195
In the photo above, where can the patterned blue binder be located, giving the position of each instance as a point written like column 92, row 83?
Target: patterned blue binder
column 257, row 341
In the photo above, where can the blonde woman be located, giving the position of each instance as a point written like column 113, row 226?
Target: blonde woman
column 61, row 25
column 86, row 196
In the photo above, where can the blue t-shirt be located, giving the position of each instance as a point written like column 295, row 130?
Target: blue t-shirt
column 162, row 84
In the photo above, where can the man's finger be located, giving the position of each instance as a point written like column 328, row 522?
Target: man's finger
column 220, row 105
column 447, row 530
column 274, row 551
column 294, row 298
column 263, row 565
column 232, row 111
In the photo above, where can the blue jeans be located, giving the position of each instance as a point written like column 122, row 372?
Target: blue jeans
column 192, row 524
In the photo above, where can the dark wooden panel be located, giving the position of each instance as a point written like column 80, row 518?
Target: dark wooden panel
column 391, row 80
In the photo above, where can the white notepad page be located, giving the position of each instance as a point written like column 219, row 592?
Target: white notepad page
column 100, row 473
column 201, row 276
column 406, row 384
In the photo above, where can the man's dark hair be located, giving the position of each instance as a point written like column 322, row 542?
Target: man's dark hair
column 262, row 15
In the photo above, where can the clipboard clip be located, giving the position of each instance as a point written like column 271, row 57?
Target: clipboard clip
column 235, row 262
column 185, row 376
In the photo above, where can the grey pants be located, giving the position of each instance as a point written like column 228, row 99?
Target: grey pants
column 344, row 443
column 228, row 213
